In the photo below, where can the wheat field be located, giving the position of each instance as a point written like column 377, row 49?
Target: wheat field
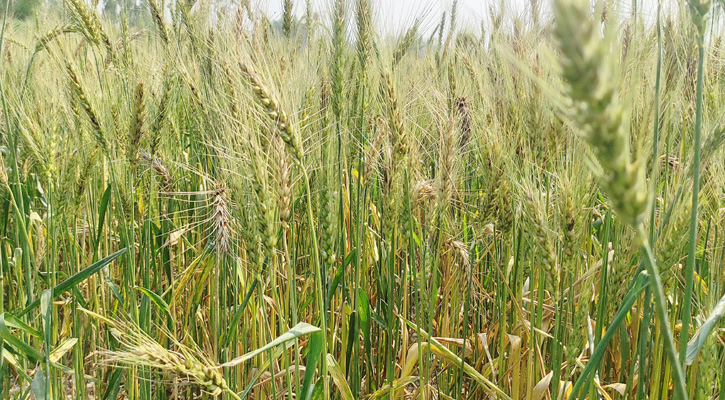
column 199, row 202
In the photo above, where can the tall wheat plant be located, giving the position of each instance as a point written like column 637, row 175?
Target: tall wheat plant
column 588, row 69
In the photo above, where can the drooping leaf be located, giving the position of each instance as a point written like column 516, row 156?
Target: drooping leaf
column 62, row 349
column 17, row 344
column 10, row 358
column 363, row 309
column 640, row 284
column 39, row 386
column 114, row 385
column 77, row 278
column 338, row 377
column 238, row 314
column 298, row 330
column 318, row 390
column 101, row 217
column 707, row 327
column 12, row 322
column 157, row 300
column 446, row 354
column 46, row 306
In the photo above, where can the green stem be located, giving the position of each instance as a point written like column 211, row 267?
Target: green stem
column 589, row 371
column 643, row 342
column 656, row 130
column 318, row 281
column 691, row 252
column 233, row 395
column 661, row 311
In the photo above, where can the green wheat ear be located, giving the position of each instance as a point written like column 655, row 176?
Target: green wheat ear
column 587, row 70
column 592, row 86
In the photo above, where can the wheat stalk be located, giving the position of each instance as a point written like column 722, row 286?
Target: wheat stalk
column 136, row 128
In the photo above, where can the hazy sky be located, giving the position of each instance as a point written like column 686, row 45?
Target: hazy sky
column 394, row 16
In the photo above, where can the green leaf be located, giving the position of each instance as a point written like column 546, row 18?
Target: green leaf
column 338, row 376
column 16, row 343
column 314, row 352
column 10, row 358
column 157, row 300
column 238, row 314
column 298, row 330
column 318, row 390
column 101, row 217
column 595, row 359
column 707, row 327
column 335, row 283
column 114, row 385
column 363, row 309
column 379, row 320
column 46, row 307
column 262, row 368
column 114, row 290
column 39, row 386
column 12, row 322
column 77, row 278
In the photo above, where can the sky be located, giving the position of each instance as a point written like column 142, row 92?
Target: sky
column 396, row 16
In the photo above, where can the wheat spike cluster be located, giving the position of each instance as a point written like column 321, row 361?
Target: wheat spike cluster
column 324, row 200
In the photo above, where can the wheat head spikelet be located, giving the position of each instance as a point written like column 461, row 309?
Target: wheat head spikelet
column 274, row 111
column 592, row 86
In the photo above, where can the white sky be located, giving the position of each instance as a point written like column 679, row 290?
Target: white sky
column 395, row 16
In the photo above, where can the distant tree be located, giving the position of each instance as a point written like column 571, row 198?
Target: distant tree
column 111, row 8
column 21, row 9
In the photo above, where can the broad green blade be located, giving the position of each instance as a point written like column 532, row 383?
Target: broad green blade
column 298, row 330
column 157, row 300
column 314, row 352
column 77, row 278
column 20, row 346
